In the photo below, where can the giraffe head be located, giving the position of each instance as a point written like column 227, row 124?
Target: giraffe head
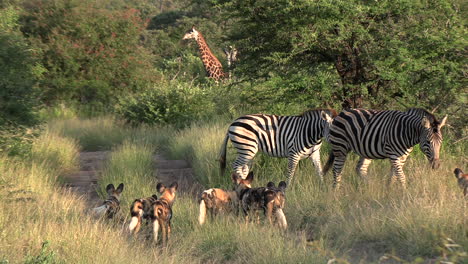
column 191, row 34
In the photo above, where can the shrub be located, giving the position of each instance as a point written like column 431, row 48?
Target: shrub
column 175, row 104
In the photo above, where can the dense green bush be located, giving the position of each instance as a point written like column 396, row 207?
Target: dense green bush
column 174, row 103
column 19, row 72
column 92, row 54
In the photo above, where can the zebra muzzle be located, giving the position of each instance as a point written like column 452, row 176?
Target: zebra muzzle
column 435, row 164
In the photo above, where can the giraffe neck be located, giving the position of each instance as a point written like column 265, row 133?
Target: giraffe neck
column 210, row 62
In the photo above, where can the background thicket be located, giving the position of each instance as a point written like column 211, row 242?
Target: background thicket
column 123, row 64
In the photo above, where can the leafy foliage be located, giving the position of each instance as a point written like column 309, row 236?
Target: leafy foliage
column 375, row 50
column 176, row 103
column 20, row 72
column 92, row 54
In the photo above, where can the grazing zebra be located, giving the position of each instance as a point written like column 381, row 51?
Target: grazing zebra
column 380, row 135
column 294, row 137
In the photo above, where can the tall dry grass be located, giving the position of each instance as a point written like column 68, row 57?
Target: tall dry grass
column 362, row 221
column 358, row 224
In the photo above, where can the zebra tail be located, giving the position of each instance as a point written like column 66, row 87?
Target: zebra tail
column 222, row 155
column 329, row 164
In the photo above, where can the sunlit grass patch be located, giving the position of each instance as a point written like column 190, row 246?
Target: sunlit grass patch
column 132, row 165
column 99, row 133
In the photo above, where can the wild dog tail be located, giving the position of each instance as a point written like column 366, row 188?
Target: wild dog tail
column 133, row 224
column 329, row 164
column 136, row 211
column 222, row 155
column 281, row 218
column 202, row 215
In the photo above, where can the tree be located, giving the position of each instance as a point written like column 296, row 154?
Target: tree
column 19, row 72
column 378, row 50
column 92, row 54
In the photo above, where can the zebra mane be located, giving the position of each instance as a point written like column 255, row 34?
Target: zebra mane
column 329, row 111
column 422, row 113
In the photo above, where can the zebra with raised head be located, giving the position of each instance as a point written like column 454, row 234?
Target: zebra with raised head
column 383, row 135
column 294, row 137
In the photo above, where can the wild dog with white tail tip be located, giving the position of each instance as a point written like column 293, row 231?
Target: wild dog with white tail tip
column 161, row 211
column 462, row 180
column 215, row 201
column 111, row 206
column 269, row 199
column 139, row 210
column 274, row 203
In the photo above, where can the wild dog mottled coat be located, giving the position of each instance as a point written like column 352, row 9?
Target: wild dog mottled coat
column 269, row 199
column 161, row 211
column 215, row 201
column 274, row 198
column 111, row 206
column 139, row 210
column 462, row 180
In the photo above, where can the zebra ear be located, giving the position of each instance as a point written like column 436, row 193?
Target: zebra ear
column 425, row 122
column 326, row 116
column 442, row 123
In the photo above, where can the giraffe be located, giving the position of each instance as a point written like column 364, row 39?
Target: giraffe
column 214, row 68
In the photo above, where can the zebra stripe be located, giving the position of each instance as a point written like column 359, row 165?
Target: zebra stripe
column 292, row 137
column 383, row 134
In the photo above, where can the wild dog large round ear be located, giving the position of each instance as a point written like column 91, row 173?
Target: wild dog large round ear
column 120, row 188
column 110, row 188
column 234, row 178
column 174, row 186
column 249, row 178
column 458, row 172
column 282, row 185
column 270, row 185
column 160, row 187
column 154, row 196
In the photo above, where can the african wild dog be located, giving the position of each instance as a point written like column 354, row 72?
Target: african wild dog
column 274, row 203
column 161, row 211
column 215, row 201
column 111, row 205
column 140, row 210
column 462, row 180
column 269, row 199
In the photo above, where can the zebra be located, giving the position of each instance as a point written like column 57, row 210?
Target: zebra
column 388, row 134
column 294, row 137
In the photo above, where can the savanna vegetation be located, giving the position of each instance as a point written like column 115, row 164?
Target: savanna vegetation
column 115, row 75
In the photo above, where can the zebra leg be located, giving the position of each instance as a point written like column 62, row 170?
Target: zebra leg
column 292, row 164
column 315, row 157
column 361, row 168
column 240, row 165
column 394, row 175
column 338, row 165
column 397, row 165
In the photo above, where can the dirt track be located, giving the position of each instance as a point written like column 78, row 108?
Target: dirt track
column 84, row 181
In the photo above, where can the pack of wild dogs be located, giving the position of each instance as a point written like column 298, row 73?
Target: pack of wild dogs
column 371, row 134
column 157, row 211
